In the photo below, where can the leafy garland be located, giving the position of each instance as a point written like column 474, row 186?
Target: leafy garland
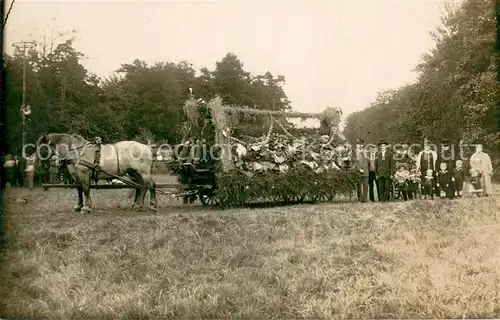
column 296, row 185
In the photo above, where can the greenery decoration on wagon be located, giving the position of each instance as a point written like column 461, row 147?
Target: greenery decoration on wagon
column 299, row 184
column 282, row 164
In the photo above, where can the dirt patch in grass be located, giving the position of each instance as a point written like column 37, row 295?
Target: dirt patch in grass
column 425, row 259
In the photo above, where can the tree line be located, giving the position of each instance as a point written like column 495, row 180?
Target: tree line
column 457, row 93
column 139, row 101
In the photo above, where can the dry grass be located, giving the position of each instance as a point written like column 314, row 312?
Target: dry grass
column 425, row 259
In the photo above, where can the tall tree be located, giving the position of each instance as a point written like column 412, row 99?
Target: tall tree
column 231, row 82
column 139, row 101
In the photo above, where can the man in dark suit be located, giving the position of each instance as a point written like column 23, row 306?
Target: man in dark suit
column 385, row 169
column 362, row 166
column 427, row 160
column 372, row 173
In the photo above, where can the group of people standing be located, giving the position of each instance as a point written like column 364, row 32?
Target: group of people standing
column 401, row 173
column 21, row 172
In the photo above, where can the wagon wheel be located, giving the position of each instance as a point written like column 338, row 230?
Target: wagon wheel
column 192, row 198
column 208, row 198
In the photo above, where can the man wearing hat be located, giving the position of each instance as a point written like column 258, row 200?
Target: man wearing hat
column 362, row 165
column 446, row 154
column 385, row 170
column 372, row 173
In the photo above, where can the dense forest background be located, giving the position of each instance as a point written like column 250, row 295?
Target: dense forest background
column 456, row 95
column 141, row 102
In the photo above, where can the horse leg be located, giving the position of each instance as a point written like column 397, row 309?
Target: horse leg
column 86, row 192
column 148, row 184
column 139, row 192
column 153, row 204
column 79, row 206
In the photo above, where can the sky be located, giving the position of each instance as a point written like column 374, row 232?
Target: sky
column 332, row 53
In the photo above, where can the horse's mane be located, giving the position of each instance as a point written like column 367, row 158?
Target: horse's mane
column 58, row 138
column 78, row 139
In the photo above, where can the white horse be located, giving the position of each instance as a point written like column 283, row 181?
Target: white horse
column 88, row 161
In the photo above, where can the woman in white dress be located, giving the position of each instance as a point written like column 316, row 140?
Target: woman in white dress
column 480, row 163
column 30, row 170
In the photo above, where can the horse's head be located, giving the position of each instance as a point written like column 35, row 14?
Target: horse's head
column 59, row 144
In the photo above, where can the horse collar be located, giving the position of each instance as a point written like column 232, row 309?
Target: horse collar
column 97, row 158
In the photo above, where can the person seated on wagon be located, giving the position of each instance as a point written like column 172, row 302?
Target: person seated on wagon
column 196, row 152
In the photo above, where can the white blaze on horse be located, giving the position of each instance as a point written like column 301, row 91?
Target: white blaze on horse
column 89, row 161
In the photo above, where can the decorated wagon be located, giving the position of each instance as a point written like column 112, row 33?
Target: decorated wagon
column 238, row 155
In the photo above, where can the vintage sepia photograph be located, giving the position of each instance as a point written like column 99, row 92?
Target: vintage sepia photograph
column 266, row 159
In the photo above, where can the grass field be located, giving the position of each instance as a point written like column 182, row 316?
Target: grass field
column 421, row 259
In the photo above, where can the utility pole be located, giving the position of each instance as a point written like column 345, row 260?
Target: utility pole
column 25, row 110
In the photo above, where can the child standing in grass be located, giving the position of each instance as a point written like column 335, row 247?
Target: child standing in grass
column 459, row 176
column 414, row 184
column 444, row 181
column 428, row 185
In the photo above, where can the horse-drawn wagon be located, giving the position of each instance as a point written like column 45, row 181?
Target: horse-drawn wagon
column 219, row 164
column 279, row 162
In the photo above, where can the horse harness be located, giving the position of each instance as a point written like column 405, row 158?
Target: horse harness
column 97, row 156
column 95, row 167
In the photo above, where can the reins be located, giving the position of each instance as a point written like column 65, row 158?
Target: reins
column 95, row 166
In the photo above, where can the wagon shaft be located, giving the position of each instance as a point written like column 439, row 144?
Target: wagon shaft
column 122, row 186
